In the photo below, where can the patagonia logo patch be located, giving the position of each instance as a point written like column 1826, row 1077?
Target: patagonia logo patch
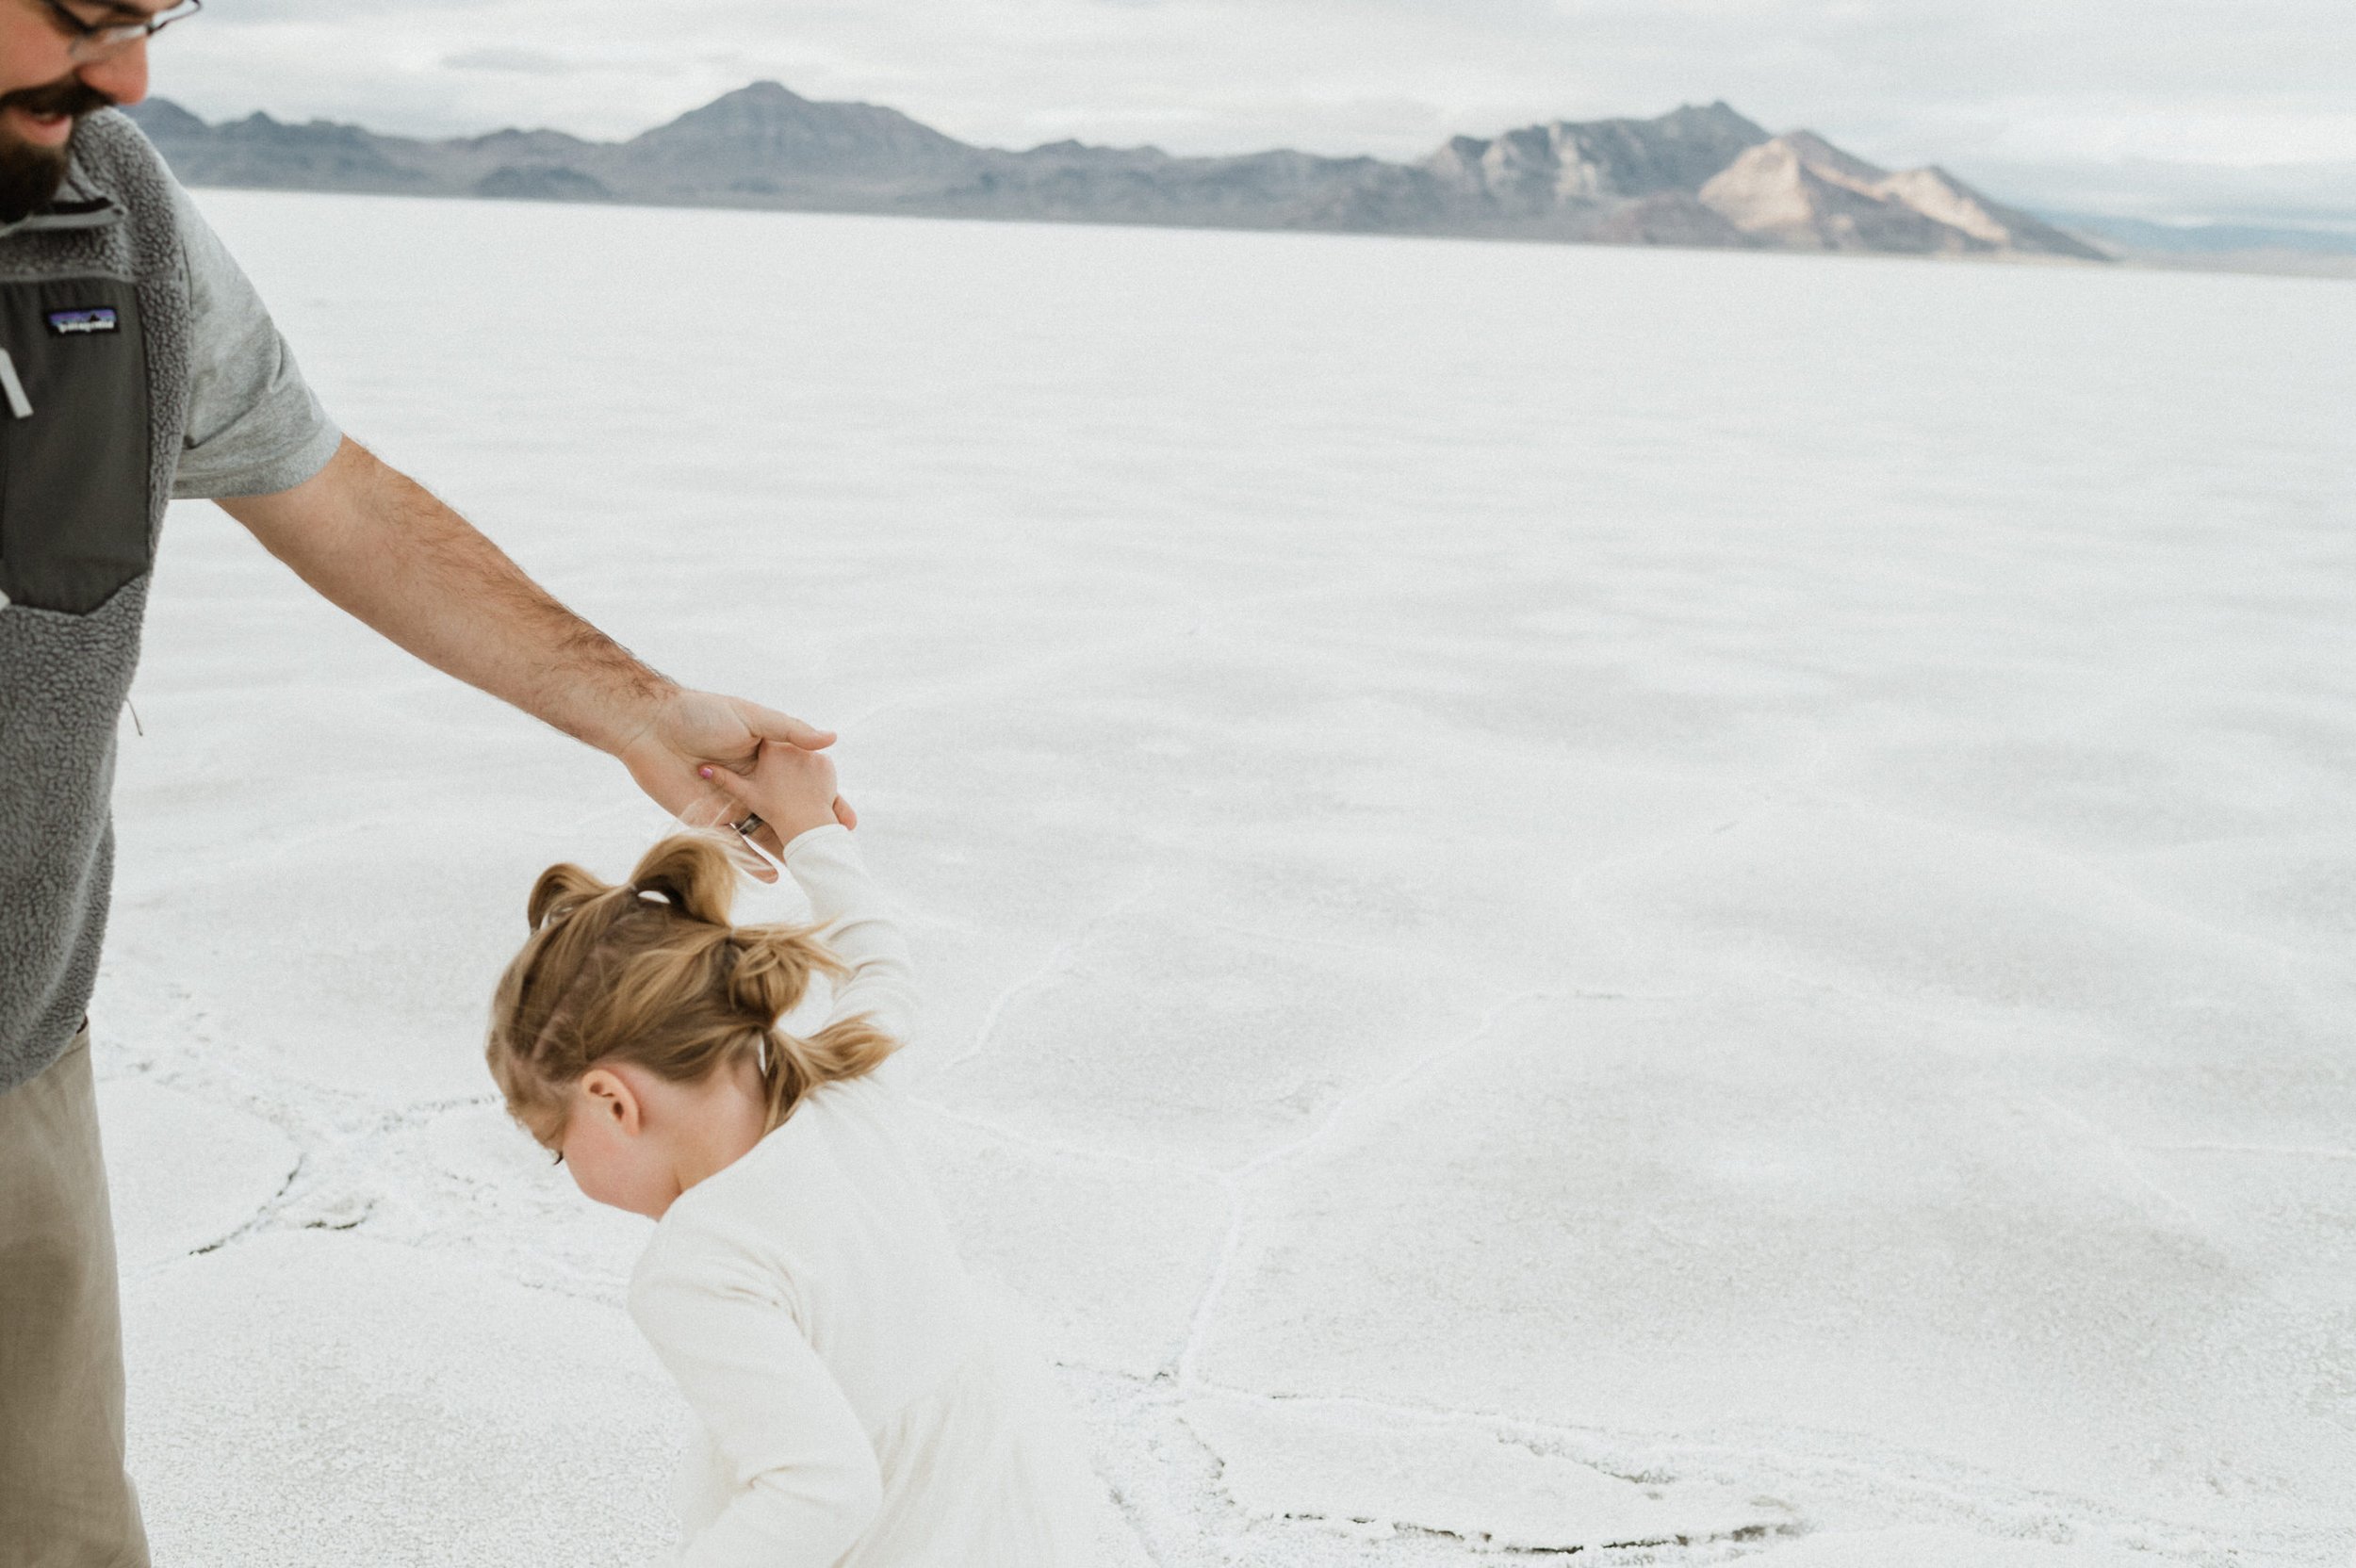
column 77, row 323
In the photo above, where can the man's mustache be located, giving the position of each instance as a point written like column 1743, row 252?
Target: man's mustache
column 72, row 96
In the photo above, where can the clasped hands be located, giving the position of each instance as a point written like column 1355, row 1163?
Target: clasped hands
column 709, row 759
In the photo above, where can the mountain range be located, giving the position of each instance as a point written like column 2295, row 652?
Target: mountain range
column 1696, row 177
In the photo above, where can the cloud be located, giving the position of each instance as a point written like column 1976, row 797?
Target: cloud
column 522, row 63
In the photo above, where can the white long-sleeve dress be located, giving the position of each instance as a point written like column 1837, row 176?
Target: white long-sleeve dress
column 860, row 1406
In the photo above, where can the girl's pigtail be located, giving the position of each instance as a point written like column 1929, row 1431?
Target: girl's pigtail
column 849, row 1048
column 793, row 1065
column 774, row 967
column 561, row 890
column 693, row 874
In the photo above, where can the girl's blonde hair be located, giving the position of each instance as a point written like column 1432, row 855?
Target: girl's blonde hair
column 649, row 971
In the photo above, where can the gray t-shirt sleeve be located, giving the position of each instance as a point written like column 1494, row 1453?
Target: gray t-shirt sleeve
column 255, row 428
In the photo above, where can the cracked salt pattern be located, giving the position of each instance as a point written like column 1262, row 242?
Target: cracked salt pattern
column 187, row 1176
column 1291, row 1460
column 1941, row 1548
column 1726, row 875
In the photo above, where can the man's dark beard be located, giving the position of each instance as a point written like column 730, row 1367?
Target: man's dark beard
column 30, row 175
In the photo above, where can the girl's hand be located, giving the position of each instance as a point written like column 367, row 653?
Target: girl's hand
column 697, row 735
column 791, row 788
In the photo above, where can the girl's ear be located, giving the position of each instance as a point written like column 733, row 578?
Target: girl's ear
column 611, row 1099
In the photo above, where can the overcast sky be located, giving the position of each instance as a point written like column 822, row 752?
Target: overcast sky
column 2159, row 108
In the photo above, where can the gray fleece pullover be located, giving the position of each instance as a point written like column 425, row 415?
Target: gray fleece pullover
column 137, row 364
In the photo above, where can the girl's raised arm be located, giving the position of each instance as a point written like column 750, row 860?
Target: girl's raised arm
column 825, row 861
column 792, row 791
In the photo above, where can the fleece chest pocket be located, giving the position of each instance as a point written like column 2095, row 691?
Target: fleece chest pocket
column 74, row 443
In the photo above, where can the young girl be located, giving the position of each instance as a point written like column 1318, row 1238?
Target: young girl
column 857, row 1408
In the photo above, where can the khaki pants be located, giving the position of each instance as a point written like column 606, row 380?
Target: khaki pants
column 65, row 1500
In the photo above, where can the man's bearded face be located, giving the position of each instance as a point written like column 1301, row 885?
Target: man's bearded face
column 30, row 175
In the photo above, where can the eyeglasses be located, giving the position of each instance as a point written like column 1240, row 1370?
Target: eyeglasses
column 91, row 41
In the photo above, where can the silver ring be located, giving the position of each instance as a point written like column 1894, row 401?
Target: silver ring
column 750, row 825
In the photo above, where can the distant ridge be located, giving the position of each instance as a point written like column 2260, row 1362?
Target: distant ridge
column 1696, row 177
column 2289, row 249
column 1802, row 192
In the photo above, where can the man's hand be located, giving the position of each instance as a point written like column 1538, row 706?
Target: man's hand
column 695, row 730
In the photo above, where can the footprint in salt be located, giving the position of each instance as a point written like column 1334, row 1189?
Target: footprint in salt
column 1341, row 1469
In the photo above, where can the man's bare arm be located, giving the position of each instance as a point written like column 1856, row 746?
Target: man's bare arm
column 375, row 543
